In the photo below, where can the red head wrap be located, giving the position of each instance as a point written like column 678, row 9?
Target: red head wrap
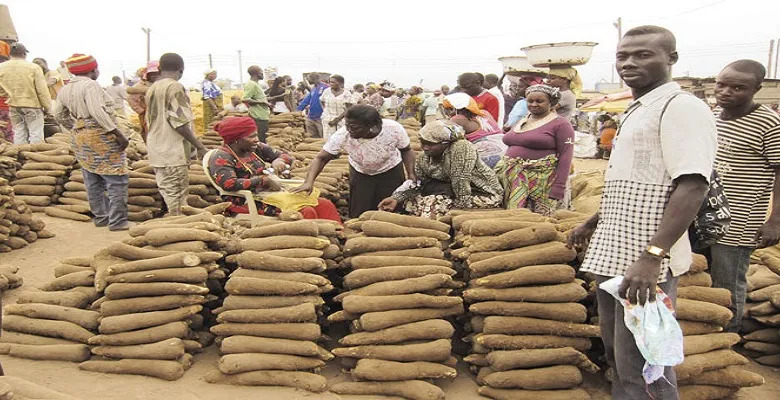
column 79, row 64
column 235, row 128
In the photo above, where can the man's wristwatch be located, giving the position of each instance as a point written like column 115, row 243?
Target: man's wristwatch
column 657, row 252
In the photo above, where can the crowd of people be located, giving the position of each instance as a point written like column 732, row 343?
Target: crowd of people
column 481, row 148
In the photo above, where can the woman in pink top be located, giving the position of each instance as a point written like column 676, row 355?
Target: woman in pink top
column 480, row 127
column 536, row 165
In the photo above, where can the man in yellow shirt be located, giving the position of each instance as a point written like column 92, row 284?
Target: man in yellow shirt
column 28, row 95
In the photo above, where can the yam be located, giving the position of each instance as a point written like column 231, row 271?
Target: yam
column 65, row 269
column 283, row 242
column 699, row 344
column 69, row 281
column 292, row 331
column 305, row 277
column 412, row 390
column 65, row 160
column 267, row 262
column 358, row 304
column 364, row 277
column 40, row 201
column 167, row 349
column 299, row 313
column 145, row 304
column 140, row 230
column 561, row 293
column 427, row 252
column 116, row 291
column 53, row 352
column 531, row 275
column 382, row 370
column 122, row 250
column 295, row 253
column 537, row 326
column 424, row 330
column 61, row 213
column 25, row 338
column 253, row 344
column 557, row 254
column 719, row 296
column 771, row 360
column 375, row 321
column 238, row 302
column 154, row 334
column 44, row 327
column 702, row 279
column 131, row 322
column 34, row 190
column 36, row 180
column 698, row 328
column 190, row 246
column 297, row 228
column 695, row 364
column 700, row 311
column 704, row 392
column 59, row 298
column 519, row 342
column 84, row 318
column 409, row 221
column 159, row 237
column 375, row 228
column 763, row 294
column 521, row 394
column 163, row 369
column 545, row 378
column 176, row 260
column 504, row 360
column 246, row 362
column 768, row 335
column 568, row 312
column 404, row 286
column 493, row 227
column 360, row 245
column 182, row 275
column 27, row 173
column 297, row 379
column 365, row 262
column 257, row 286
column 433, row 351
column 536, row 234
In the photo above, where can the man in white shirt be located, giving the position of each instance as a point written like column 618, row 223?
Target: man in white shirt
column 118, row 95
column 430, row 106
column 491, row 84
column 655, row 183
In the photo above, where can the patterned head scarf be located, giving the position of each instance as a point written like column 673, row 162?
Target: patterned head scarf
column 575, row 82
column 441, row 132
column 81, row 64
column 460, row 101
column 552, row 92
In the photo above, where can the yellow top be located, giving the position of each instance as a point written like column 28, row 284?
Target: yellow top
column 24, row 85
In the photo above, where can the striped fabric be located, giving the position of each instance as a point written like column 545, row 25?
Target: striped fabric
column 748, row 153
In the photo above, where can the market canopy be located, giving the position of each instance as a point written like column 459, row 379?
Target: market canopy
column 615, row 102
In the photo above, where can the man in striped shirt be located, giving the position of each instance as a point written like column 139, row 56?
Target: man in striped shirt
column 748, row 161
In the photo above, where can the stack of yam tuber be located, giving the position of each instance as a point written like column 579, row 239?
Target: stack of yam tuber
column 527, row 321
column 333, row 181
column 155, row 288
column 43, row 172
column 399, row 306
column 9, row 278
column 9, row 162
column 267, row 328
column 18, row 226
column 53, row 323
column 711, row 369
column 762, row 319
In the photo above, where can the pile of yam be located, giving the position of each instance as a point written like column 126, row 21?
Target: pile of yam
column 9, row 278
column 18, row 227
column 156, row 287
column 144, row 185
column 54, row 323
column 762, row 310
column 333, row 181
column 711, row 369
column 529, row 330
column 44, row 169
column 268, row 329
column 9, row 162
column 399, row 305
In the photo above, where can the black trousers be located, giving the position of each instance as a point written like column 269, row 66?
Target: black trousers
column 262, row 129
column 367, row 191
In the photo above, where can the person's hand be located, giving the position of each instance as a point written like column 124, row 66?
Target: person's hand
column 640, row 280
column 279, row 165
column 389, row 204
column 580, row 236
column 201, row 152
column 333, row 123
column 122, row 140
column 412, row 177
column 272, row 185
column 305, row 188
column 769, row 234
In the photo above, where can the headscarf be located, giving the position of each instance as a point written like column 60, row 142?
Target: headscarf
column 441, row 132
column 552, row 92
column 153, row 66
column 5, row 49
column 460, row 101
column 232, row 129
column 575, row 82
column 209, row 71
column 79, row 64
column 388, row 86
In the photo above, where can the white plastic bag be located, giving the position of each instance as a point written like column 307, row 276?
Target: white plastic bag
column 656, row 332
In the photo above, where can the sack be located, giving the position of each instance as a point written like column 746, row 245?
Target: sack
column 714, row 218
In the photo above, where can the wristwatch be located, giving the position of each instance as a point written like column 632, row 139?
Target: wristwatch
column 656, row 252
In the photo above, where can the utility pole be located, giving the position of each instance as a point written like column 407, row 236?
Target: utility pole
column 771, row 52
column 148, row 33
column 211, row 65
column 240, row 70
column 619, row 25
column 777, row 53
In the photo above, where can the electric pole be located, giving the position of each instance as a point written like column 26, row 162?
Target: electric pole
column 211, row 65
column 240, row 70
column 771, row 52
column 777, row 53
column 619, row 25
column 148, row 33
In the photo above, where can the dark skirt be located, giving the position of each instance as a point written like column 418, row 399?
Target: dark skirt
column 367, row 191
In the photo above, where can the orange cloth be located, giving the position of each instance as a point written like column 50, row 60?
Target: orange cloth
column 607, row 136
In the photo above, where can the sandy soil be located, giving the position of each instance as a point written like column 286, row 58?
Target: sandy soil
column 37, row 261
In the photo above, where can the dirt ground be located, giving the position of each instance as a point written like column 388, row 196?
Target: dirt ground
column 73, row 238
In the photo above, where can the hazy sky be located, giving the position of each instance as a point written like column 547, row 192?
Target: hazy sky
column 402, row 41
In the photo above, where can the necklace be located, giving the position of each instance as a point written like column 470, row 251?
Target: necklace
column 243, row 164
